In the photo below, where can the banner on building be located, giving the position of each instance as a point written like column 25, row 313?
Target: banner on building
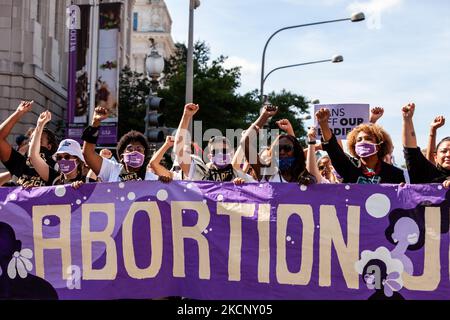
column 344, row 117
column 206, row 240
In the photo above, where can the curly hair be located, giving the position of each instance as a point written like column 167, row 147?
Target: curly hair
column 133, row 136
column 381, row 136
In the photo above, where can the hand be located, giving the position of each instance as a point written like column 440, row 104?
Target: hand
column 191, row 109
column 238, row 181
column 446, row 184
column 170, row 141
column 165, row 179
column 311, row 134
column 44, row 118
column 437, row 123
column 285, row 125
column 408, row 111
column 25, row 106
column 322, row 116
column 269, row 111
column 77, row 184
column 375, row 114
column 100, row 114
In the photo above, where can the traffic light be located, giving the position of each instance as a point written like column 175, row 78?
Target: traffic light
column 154, row 121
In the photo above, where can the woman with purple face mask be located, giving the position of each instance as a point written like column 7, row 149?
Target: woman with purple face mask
column 69, row 158
column 133, row 152
column 368, row 143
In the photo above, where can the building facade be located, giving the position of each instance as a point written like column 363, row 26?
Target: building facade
column 34, row 43
column 151, row 19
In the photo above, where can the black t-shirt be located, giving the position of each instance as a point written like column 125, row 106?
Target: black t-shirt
column 352, row 173
column 216, row 174
column 421, row 170
column 19, row 166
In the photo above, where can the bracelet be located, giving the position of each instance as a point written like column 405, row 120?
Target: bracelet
column 312, row 142
column 90, row 134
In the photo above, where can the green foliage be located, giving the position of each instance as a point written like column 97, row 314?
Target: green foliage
column 221, row 107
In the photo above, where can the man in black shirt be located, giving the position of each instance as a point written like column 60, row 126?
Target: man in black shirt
column 18, row 164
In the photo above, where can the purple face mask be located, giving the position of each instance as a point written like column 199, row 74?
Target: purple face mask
column 366, row 149
column 67, row 166
column 221, row 160
column 133, row 159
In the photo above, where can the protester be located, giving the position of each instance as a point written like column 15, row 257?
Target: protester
column 133, row 153
column 68, row 156
column 18, row 164
column 431, row 149
column 419, row 168
column 368, row 143
column 284, row 161
column 220, row 154
column 321, row 169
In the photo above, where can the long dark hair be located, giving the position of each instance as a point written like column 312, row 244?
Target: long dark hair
column 135, row 136
column 298, row 170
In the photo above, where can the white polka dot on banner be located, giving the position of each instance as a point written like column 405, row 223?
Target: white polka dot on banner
column 121, row 185
column 122, row 199
column 131, row 196
column 439, row 187
column 13, row 197
column 210, row 229
column 60, row 191
column 162, row 195
column 292, row 242
column 204, row 201
column 46, row 222
column 378, row 205
column 205, row 231
column 347, row 187
column 303, row 187
column 84, row 198
column 78, row 202
column 189, row 185
column 288, row 238
column 220, row 197
column 109, row 190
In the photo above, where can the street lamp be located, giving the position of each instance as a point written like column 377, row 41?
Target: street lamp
column 334, row 59
column 155, row 66
column 356, row 17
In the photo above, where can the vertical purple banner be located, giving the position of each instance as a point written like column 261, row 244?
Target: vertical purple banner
column 73, row 24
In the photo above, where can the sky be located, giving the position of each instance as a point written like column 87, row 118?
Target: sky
column 399, row 54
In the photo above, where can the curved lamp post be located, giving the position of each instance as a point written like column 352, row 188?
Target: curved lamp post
column 356, row 17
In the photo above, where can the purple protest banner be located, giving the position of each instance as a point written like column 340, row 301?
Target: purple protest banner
column 73, row 24
column 206, row 240
column 344, row 117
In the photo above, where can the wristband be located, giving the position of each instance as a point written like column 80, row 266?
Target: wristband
column 90, row 134
column 312, row 142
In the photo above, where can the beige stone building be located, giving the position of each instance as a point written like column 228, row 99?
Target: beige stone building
column 151, row 19
column 34, row 56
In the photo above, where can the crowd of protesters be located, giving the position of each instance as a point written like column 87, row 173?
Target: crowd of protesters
column 39, row 160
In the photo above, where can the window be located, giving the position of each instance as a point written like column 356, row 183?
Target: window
column 135, row 21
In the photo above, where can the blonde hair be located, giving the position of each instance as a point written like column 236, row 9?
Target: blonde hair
column 381, row 136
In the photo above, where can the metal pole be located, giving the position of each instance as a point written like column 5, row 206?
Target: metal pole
column 294, row 65
column 190, row 64
column 94, row 58
column 270, row 38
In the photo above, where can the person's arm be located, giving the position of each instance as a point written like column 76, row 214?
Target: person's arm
column 90, row 136
column 7, row 126
column 285, row 125
column 155, row 161
column 375, row 114
column 408, row 133
column 182, row 138
column 238, row 158
column 322, row 116
column 38, row 163
column 436, row 124
column 250, row 136
column 311, row 161
column 4, row 177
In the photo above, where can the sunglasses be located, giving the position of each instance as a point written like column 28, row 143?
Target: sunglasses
column 65, row 157
column 321, row 167
column 286, row 147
